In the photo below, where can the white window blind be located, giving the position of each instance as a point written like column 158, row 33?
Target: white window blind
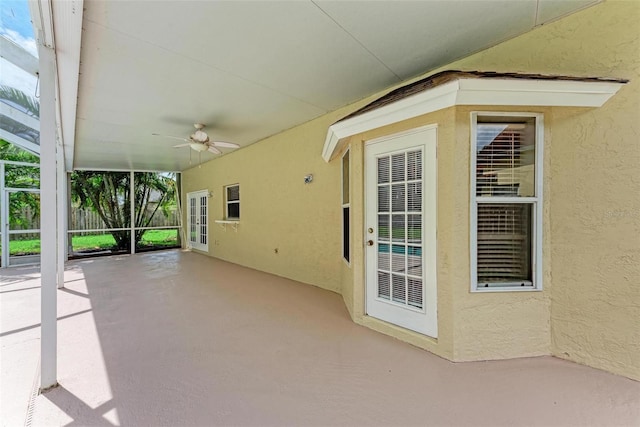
column 504, row 242
column 400, row 214
column 505, row 160
column 233, row 201
column 505, row 202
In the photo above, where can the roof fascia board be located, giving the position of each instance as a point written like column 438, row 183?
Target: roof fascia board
column 424, row 102
column 548, row 93
column 474, row 91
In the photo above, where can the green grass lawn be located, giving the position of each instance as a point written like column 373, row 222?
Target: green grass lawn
column 152, row 238
column 159, row 238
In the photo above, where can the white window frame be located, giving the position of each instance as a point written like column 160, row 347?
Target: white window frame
column 537, row 205
column 345, row 205
column 227, row 202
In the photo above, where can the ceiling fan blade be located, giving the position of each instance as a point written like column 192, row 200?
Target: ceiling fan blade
column 225, row 144
column 181, row 145
column 214, row 150
column 170, row 136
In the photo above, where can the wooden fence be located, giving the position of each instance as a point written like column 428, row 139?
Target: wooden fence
column 84, row 219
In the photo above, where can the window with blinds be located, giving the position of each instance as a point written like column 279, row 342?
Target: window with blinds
column 505, row 202
column 346, row 234
column 233, row 201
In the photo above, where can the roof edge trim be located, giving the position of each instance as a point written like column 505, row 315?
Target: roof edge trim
column 474, row 91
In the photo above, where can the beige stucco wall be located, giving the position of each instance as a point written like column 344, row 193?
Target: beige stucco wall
column 277, row 209
column 496, row 325
column 592, row 183
column 589, row 310
column 470, row 326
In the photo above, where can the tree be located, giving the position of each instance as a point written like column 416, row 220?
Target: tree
column 109, row 195
column 106, row 193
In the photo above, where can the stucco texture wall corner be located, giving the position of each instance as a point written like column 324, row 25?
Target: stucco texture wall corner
column 481, row 332
column 595, row 207
column 443, row 345
column 589, row 310
column 487, row 325
column 591, row 174
column 595, row 256
column 592, row 158
column 278, row 210
column 353, row 273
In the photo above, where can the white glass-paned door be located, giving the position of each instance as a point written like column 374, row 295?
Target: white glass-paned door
column 197, row 223
column 400, row 230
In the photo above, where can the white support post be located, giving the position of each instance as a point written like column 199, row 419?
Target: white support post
column 62, row 215
column 4, row 220
column 132, row 209
column 48, row 195
column 67, row 238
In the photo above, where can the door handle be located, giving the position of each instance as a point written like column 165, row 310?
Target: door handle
column 369, row 242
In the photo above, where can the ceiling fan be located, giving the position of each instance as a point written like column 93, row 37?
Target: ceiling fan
column 199, row 141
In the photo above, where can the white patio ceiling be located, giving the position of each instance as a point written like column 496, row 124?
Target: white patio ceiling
column 252, row 69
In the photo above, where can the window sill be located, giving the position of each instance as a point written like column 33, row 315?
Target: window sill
column 505, row 289
column 224, row 222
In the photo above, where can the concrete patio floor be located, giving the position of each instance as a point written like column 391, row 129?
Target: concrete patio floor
column 179, row 339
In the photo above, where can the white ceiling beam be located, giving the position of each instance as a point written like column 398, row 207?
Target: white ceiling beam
column 18, row 56
column 58, row 26
column 19, row 116
column 20, row 142
column 67, row 27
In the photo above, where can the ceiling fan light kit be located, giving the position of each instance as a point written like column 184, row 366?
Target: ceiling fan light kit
column 198, row 146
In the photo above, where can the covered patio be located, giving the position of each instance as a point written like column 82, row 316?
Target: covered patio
column 178, row 338
column 263, row 317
